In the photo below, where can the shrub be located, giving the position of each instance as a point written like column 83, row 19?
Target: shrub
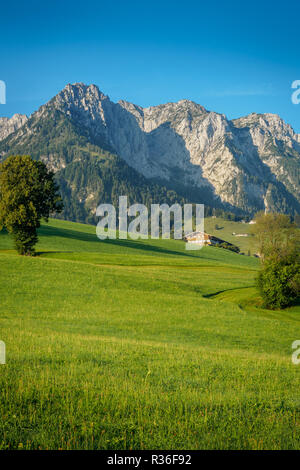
column 279, row 282
column 230, row 247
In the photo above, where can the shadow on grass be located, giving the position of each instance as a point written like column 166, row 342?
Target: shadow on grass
column 49, row 231
column 41, row 253
column 92, row 238
column 295, row 303
column 215, row 294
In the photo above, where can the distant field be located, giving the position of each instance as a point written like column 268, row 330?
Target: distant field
column 142, row 345
column 226, row 229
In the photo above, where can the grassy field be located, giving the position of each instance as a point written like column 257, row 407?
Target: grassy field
column 142, row 345
column 229, row 231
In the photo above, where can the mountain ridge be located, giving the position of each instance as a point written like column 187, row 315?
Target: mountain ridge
column 247, row 164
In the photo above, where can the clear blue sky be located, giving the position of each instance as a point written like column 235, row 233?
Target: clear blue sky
column 232, row 57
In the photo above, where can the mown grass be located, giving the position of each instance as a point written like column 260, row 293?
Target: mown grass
column 141, row 345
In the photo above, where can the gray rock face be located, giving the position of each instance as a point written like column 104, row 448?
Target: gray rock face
column 8, row 126
column 183, row 143
column 249, row 163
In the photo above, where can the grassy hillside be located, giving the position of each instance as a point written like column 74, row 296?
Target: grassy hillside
column 123, row 344
column 227, row 229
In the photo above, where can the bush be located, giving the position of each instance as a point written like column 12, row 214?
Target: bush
column 230, row 247
column 279, row 282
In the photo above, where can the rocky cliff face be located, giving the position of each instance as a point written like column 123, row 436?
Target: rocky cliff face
column 8, row 126
column 249, row 163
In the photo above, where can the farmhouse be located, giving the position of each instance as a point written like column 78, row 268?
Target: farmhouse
column 204, row 238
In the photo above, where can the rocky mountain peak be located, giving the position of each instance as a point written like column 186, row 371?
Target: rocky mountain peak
column 80, row 97
column 191, row 105
column 10, row 125
column 245, row 164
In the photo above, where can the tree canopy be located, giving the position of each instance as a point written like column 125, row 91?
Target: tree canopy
column 279, row 248
column 277, row 236
column 28, row 193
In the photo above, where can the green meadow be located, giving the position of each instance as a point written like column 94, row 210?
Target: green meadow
column 125, row 344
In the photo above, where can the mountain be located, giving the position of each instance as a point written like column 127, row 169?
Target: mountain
column 88, row 174
column 8, row 126
column 243, row 165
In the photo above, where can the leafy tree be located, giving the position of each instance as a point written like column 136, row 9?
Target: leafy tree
column 28, row 193
column 276, row 235
column 279, row 247
column 279, row 282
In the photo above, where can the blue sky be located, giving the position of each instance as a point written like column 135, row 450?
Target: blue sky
column 232, row 57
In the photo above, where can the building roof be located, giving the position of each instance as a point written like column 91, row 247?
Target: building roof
column 205, row 236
